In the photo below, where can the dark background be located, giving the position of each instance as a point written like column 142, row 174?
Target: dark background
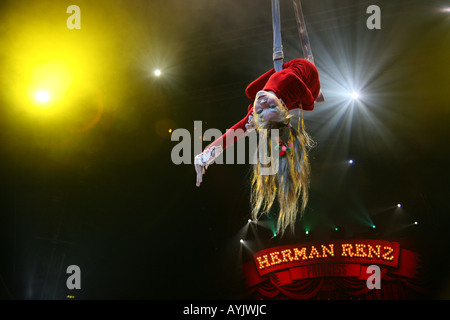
column 110, row 200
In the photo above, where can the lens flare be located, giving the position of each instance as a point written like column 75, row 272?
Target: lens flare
column 42, row 96
column 354, row 95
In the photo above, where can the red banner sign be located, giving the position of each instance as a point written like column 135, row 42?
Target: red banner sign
column 349, row 258
column 322, row 270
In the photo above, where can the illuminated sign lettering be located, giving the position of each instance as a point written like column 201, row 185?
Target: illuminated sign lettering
column 355, row 251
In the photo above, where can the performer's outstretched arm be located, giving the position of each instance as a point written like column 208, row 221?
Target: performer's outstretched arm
column 215, row 149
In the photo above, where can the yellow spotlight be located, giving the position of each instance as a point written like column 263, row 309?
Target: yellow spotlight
column 48, row 83
column 42, row 96
column 157, row 72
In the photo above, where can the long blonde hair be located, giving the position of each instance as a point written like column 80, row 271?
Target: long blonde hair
column 291, row 182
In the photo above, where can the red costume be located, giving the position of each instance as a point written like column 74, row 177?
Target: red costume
column 297, row 84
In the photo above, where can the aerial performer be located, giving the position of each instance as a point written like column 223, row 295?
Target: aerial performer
column 278, row 99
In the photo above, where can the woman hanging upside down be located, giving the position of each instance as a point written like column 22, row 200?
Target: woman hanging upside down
column 278, row 100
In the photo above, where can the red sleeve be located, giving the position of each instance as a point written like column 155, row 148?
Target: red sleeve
column 236, row 132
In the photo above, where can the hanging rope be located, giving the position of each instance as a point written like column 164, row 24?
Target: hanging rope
column 278, row 54
column 306, row 46
column 277, row 45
